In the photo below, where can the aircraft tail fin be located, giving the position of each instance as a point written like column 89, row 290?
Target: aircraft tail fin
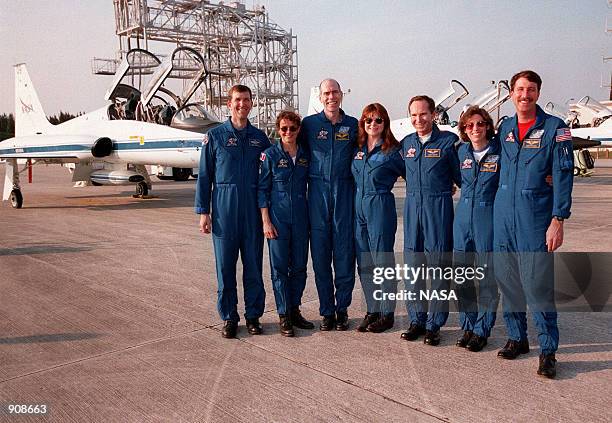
column 30, row 117
column 314, row 104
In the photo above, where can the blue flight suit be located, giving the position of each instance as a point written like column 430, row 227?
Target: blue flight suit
column 473, row 237
column 431, row 169
column 330, row 204
column 229, row 161
column 375, row 174
column 523, row 210
column 282, row 189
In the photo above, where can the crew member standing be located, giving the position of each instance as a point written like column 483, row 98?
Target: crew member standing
column 229, row 171
column 529, row 215
column 432, row 166
column 284, row 211
column 330, row 137
column 473, row 226
column 376, row 166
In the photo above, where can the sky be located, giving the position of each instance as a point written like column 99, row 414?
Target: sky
column 385, row 51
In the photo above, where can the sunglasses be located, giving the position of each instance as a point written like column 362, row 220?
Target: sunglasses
column 378, row 121
column 479, row 124
column 288, row 128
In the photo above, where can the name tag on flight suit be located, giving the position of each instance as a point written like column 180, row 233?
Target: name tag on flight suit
column 432, row 153
column 531, row 143
column 343, row 133
column 488, row 167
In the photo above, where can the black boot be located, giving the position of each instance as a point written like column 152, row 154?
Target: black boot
column 547, row 365
column 465, row 339
column 382, row 324
column 413, row 332
column 230, row 327
column 298, row 320
column 253, row 326
column 369, row 318
column 513, row 349
column 286, row 327
column 328, row 323
column 342, row 322
column 477, row 343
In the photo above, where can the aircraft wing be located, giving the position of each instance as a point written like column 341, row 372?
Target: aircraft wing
column 580, row 143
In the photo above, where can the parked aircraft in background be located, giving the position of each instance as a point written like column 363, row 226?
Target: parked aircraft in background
column 109, row 146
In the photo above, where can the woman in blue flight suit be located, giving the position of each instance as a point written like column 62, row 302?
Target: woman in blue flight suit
column 376, row 166
column 284, row 210
column 473, row 226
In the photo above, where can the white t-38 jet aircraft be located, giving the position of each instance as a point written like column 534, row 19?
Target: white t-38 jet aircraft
column 102, row 143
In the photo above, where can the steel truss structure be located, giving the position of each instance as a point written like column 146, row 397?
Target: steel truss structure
column 238, row 45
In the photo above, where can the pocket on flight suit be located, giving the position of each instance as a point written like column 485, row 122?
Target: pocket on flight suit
column 225, row 210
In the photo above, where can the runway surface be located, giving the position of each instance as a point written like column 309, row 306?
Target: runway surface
column 108, row 314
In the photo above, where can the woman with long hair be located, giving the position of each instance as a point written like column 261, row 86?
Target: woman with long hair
column 376, row 166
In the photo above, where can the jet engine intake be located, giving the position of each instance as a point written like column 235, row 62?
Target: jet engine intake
column 102, row 147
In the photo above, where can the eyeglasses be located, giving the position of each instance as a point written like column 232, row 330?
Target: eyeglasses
column 479, row 124
column 378, row 120
column 288, row 128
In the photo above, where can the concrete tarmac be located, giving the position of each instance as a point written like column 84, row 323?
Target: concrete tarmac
column 108, row 314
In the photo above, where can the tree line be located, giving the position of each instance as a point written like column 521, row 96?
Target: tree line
column 7, row 122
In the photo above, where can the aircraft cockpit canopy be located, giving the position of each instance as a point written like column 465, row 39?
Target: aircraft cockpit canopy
column 194, row 117
column 453, row 95
column 562, row 112
column 157, row 102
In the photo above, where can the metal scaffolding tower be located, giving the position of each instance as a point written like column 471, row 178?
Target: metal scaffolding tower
column 238, row 45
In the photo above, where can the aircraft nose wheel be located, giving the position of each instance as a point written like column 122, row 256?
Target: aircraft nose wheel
column 16, row 199
column 142, row 189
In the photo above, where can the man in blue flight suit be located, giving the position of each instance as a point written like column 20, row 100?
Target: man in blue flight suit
column 529, row 215
column 330, row 137
column 282, row 199
column 432, row 166
column 473, row 226
column 229, row 162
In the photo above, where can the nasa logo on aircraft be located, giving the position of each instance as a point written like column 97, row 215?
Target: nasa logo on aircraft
column 26, row 108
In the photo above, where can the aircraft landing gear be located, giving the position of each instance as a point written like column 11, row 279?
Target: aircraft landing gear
column 16, row 199
column 142, row 189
